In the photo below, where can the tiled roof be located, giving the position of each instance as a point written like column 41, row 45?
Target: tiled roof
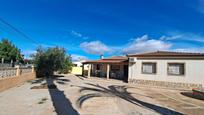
column 167, row 54
column 114, row 59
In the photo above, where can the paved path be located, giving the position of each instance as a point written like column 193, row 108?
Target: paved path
column 77, row 95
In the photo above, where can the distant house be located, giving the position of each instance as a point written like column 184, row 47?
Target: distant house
column 77, row 63
column 168, row 69
column 112, row 67
column 77, row 67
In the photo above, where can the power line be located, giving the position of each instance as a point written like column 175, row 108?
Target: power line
column 18, row 31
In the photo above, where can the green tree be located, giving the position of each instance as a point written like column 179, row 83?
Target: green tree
column 67, row 65
column 9, row 51
column 52, row 59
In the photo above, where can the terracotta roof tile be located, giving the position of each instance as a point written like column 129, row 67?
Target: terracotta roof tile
column 166, row 54
column 114, row 59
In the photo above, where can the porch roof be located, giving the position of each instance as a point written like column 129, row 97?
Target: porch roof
column 114, row 59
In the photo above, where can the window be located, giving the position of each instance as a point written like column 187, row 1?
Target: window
column 176, row 68
column 148, row 68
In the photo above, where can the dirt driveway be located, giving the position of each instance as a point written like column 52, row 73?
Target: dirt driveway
column 77, row 95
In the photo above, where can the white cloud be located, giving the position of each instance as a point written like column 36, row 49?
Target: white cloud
column 76, row 34
column 183, row 36
column 193, row 50
column 95, row 47
column 145, row 44
column 76, row 57
column 28, row 53
column 79, row 35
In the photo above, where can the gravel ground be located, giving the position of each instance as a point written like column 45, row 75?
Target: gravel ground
column 95, row 96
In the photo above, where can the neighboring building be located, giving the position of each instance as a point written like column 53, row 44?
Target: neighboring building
column 113, row 67
column 168, row 69
column 77, row 67
column 77, row 63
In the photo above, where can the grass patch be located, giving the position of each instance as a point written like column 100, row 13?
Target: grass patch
column 41, row 102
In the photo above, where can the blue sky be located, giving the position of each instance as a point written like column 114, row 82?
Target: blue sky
column 88, row 28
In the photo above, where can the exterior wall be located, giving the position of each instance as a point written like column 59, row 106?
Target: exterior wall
column 103, row 70
column 76, row 70
column 9, row 82
column 93, row 69
column 194, row 73
column 120, row 72
column 79, row 64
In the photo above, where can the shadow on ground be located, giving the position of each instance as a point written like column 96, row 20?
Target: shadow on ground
column 121, row 92
column 58, row 78
column 62, row 105
column 80, row 77
column 195, row 96
column 37, row 81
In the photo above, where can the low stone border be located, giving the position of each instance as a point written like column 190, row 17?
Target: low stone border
column 173, row 85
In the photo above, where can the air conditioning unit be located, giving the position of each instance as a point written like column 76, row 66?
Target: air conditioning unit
column 132, row 60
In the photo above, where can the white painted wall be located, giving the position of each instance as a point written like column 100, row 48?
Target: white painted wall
column 194, row 71
column 79, row 64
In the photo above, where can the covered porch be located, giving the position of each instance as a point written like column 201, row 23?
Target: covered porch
column 109, row 68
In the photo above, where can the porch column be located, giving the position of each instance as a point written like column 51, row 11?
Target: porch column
column 82, row 70
column 18, row 71
column 33, row 69
column 89, row 70
column 108, row 71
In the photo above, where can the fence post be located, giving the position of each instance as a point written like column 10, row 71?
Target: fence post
column 33, row 69
column 2, row 60
column 18, row 71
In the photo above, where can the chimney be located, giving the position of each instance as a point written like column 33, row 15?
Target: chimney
column 101, row 56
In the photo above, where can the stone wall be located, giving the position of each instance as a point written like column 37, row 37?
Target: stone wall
column 9, row 82
column 7, row 72
column 171, row 85
column 25, row 70
column 15, row 71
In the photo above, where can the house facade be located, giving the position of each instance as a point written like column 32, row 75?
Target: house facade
column 167, row 69
column 161, row 68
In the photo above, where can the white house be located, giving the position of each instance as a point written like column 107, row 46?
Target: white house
column 168, row 69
